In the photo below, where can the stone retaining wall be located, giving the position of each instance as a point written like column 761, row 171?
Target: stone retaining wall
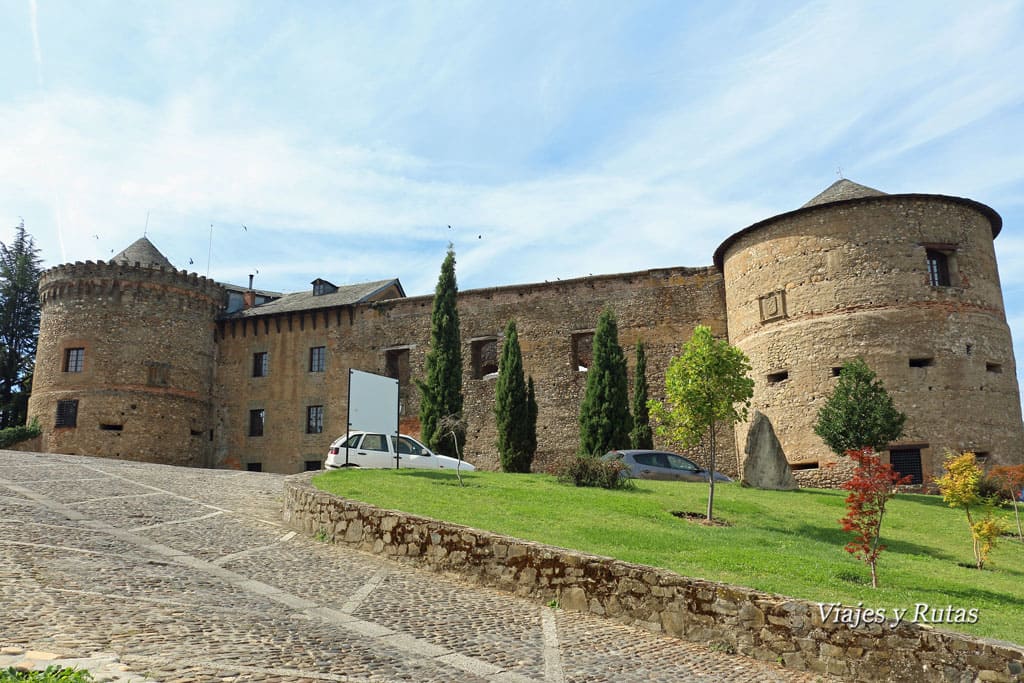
column 761, row 625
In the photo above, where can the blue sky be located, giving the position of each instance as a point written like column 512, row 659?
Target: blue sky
column 557, row 139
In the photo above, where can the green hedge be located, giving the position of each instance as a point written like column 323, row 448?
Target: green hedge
column 13, row 435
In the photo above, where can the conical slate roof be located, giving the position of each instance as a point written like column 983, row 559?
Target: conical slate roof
column 841, row 190
column 143, row 252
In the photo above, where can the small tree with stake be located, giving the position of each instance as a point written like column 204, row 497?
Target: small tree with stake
column 705, row 388
column 871, row 487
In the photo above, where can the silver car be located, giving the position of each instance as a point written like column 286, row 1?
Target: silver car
column 644, row 464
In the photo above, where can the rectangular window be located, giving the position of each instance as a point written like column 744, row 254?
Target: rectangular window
column 778, row 377
column 396, row 365
column 314, row 419
column 907, row 461
column 254, row 466
column 74, row 359
column 67, row 413
column 993, row 367
column 311, row 465
column 938, row 268
column 483, row 357
column 582, row 350
column 922, row 362
column 256, row 420
column 317, row 357
column 156, row 373
column 260, row 364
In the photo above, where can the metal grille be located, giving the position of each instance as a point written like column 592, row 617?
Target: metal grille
column 908, row 461
column 67, row 413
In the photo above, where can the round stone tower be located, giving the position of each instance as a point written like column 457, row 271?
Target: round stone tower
column 909, row 283
column 124, row 366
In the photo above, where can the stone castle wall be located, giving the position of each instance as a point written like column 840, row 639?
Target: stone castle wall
column 168, row 377
column 146, row 336
column 554, row 320
column 809, row 290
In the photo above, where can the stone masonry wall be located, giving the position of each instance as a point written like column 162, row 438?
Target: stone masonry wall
column 143, row 390
column 761, row 625
column 659, row 306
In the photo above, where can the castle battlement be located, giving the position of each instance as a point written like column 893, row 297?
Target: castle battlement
column 106, row 278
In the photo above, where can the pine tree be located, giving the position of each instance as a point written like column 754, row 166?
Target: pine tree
column 511, row 406
column 605, row 422
column 531, row 410
column 859, row 413
column 19, row 325
column 441, row 392
column 641, row 436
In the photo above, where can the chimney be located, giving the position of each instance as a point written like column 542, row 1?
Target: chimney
column 249, row 297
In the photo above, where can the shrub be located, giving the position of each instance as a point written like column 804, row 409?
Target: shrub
column 859, row 413
column 52, row 674
column 589, row 470
column 13, row 435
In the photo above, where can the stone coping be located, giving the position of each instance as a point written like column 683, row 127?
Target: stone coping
column 799, row 634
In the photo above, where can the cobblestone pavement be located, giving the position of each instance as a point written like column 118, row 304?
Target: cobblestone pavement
column 173, row 574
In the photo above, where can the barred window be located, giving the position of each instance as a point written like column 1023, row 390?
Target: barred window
column 256, row 420
column 317, row 358
column 314, row 419
column 938, row 268
column 67, row 413
column 74, row 359
column 260, row 364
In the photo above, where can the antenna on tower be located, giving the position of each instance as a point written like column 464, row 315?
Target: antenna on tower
column 145, row 230
column 839, row 171
column 209, row 251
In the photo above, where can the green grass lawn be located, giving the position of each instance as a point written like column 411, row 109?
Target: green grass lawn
column 786, row 542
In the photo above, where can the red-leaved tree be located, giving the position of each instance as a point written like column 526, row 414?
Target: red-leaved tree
column 872, row 485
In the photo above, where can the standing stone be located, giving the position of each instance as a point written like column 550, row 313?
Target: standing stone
column 765, row 466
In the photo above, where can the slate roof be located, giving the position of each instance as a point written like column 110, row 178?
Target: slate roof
column 842, row 190
column 143, row 252
column 306, row 301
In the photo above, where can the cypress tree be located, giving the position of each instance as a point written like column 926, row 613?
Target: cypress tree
column 441, row 393
column 511, row 406
column 531, row 411
column 641, row 435
column 605, row 422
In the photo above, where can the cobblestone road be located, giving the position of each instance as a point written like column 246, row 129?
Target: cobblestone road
column 188, row 575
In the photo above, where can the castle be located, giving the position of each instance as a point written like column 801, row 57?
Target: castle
column 141, row 361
